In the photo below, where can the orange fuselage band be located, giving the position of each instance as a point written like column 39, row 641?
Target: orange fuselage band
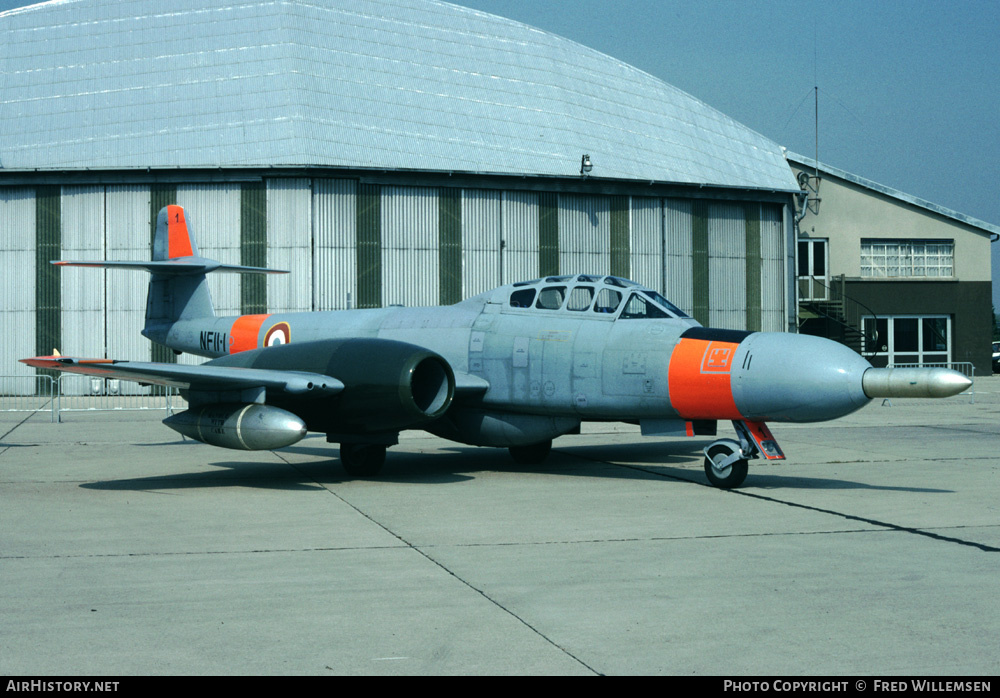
column 700, row 379
column 244, row 333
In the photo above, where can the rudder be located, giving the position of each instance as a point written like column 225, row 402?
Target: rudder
column 172, row 239
column 175, row 296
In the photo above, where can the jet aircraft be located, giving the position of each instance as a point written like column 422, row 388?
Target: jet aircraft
column 514, row 367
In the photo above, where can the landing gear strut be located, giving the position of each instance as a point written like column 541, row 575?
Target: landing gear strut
column 725, row 465
column 726, row 459
column 362, row 460
column 531, row 455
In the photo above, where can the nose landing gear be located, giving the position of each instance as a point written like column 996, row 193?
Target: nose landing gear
column 725, row 465
column 726, row 459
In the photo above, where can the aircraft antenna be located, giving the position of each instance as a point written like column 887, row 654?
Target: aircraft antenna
column 816, row 127
column 816, row 94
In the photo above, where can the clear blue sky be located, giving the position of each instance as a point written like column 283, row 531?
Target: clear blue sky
column 909, row 91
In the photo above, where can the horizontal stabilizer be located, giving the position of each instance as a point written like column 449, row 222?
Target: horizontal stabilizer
column 174, row 267
column 201, row 377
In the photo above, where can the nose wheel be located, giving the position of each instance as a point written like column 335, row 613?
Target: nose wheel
column 725, row 465
column 726, row 459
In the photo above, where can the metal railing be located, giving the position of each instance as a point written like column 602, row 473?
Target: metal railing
column 846, row 311
column 76, row 393
column 30, row 394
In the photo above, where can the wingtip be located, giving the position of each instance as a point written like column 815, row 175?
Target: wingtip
column 39, row 361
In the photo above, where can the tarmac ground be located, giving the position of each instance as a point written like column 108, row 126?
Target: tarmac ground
column 872, row 550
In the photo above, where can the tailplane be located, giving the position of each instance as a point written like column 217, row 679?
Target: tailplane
column 178, row 289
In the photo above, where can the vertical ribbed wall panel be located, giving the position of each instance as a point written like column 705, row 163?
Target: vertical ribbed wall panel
column 449, row 245
column 161, row 194
column 48, row 288
column 727, row 266
column 253, row 246
column 772, row 250
column 754, row 282
column 646, row 245
column 289, row 244
column 548, row 233
column 126, row 238
column 700, row 267
column 620, row 242
column 584, row 234
column 368, row 230
column 480, row 241
column 519, row 225
column 677, row 234
column 83, row 310
column 213, row 215
column 17, row 314
column 335, row 255
column 410, row 262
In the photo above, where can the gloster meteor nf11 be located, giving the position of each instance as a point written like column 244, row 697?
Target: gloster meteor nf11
column 514, row 367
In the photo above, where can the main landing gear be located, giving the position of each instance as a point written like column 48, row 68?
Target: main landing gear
column 362, row 460
column 532, row 454
column 726, row 459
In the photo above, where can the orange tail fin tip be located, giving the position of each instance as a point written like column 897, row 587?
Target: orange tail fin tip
column 178, row 239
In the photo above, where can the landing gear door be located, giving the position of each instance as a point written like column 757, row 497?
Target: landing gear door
column 763, row 438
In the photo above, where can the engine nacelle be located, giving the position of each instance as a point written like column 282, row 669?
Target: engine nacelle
column 482, row 428
column 388, row 385
column 391, row 385
column 252, row 427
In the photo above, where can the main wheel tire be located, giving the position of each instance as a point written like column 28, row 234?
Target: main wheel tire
column 362, row 460
column 531, row 455
column 730, row 477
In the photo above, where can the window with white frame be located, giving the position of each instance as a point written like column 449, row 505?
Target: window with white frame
column 885, row 259
column 908, row 339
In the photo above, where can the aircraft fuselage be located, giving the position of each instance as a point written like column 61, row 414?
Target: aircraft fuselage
column 514, row 367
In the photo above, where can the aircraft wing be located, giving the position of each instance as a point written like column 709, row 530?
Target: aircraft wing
column 203, row 377
column 217, row 378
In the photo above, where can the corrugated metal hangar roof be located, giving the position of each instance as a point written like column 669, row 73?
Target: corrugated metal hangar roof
column 382, row 84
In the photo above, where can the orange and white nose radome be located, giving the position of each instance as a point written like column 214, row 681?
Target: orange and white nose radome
column 774, row 376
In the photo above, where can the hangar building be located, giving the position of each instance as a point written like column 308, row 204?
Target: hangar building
column 900, row 279
column 385, row 151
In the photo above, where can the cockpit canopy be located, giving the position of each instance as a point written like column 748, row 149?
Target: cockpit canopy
column 584, row 293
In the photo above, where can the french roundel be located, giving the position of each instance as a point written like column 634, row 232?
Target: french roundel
column 278, row 334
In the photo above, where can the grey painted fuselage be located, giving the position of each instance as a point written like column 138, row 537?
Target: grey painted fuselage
column 584, row 363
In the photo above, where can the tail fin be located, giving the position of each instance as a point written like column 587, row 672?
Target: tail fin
column 175, row 296
column 178, row 289
column 172, row 239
